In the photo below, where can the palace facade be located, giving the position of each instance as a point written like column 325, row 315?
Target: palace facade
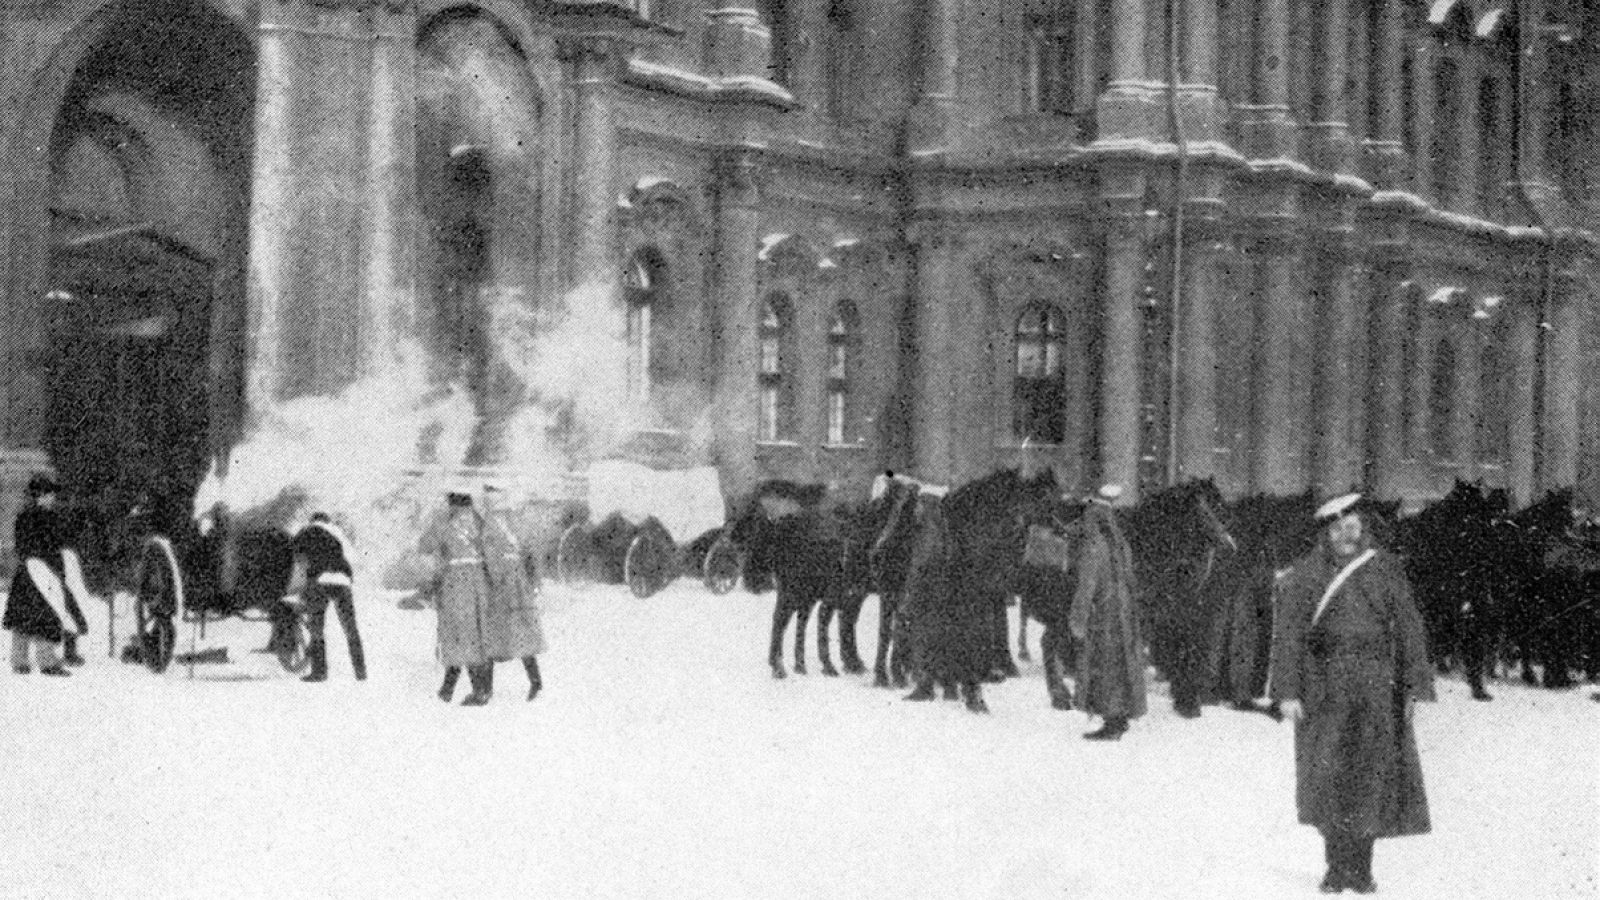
column 1281, row 243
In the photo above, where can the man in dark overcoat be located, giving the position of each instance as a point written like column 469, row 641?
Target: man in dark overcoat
column 948, row 631
column 1349, row 656
column 41, row 607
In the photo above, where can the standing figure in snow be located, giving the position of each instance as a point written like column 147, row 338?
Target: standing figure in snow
column 487, row 607
column 42, row 609
column 322, row 563
column 1104, row 622
column 1349, row 656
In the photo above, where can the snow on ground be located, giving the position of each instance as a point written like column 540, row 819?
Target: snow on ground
column 663, row 761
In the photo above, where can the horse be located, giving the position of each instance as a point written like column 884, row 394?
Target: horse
column 790, row 539
column 1180, row 548
column 1456, row 559
column 1272, row 532
column 1560, row 566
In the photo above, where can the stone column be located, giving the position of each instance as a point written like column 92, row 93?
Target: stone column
column 1196, row 382
column 305, row 294
column 1468, row 389
column 1330, row 139
column 1336, row 467
column 1285, row 407
column 391, row 277
column 1388, row 144
column 733, row 270
column 1469, row 153
column 1387, row 370
column 932, row 114
column 1266, row 129
column 1125, row 111
column 596, row 62
column 1564, row 384
column 1523, row 424
column 1121, row 363
column 1420, row 439
column 1422, row 107
column 938, row 377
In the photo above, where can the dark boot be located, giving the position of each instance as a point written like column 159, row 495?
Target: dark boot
column 1113, row 729
column 1333, row 854
column 950, row 691
column 482, row 678
column 447, row 689
column 923, row 692
column 1359, row 875
column 535, row 682
column 58, row 670
column 975, row 702
column 69, row 650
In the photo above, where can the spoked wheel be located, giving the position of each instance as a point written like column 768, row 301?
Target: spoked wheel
column 573, row 555
column 156, row 604
column 650, row 565
column 292, row 651
column 720, row 571
column 157, row 637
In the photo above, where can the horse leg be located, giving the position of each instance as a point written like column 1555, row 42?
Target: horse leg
column 824, row 650
column 1055, row 662
column 802, row 611
column 1023, row 653
column 880, row 664
column 849, row 614
column 780, row 620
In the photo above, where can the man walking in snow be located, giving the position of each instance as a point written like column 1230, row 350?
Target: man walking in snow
column 1104, row 623
column 321, row 553
column 1349, row 655
column 42, row 608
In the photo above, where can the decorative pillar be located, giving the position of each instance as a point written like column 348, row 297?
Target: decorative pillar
column 1522, row 405
column 1285, row 407
column 941, row 330
column 1388, row 144
column 738, row 222
column 1468, row 389
column 307, row 218
column 1335, row 466
column 1125, row 110
column 596, row 61
column 936, row 100
column 1424, row 101
column 1469, row 154
column 1563, row 384
column 1330, row 139
column 1266, row 129
column 1427, row 337
column 390, row 280
column 1387, row 370
column 1196, row 382
column 1121, row 334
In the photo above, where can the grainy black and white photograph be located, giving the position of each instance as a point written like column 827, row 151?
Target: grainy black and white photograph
column 800, row 449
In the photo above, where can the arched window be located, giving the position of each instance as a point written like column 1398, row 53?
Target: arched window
column 644, row 284
column 841, row 365
column 776, row 390
column 846, row 51
column 1048, row 72
column 1441, row 398
column 1038, row 408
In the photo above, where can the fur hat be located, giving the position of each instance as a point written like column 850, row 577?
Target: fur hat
column 43, row 483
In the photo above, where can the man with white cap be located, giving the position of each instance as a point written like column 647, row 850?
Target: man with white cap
column 1349, row 655
column 1104, row 622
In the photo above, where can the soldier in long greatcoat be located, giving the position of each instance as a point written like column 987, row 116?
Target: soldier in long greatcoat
column 1104, row 622
column 487, row 606
column 1349, row 656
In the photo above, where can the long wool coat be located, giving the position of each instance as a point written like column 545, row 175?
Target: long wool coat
column 40, row 534
column 944, row 620
column 488, row 608
column 1104, row 621
column 1356, row 763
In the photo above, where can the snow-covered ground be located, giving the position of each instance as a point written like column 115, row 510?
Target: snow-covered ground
column 663, row 761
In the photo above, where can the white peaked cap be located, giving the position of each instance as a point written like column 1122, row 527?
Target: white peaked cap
column 1110, row 491
column 1338, row 506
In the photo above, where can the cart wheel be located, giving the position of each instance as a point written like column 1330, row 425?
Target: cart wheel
column 157, row 637
column 572, row 555
column 721, row 569
column 649, row 565
column 291, row 652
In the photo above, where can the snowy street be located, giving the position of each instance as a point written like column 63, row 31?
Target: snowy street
column 663, row 761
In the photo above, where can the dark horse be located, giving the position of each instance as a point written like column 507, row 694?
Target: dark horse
column 789, row 537
column 1180, row 548
column 1553, row 627
column 1457, row 556
column 1271, row 532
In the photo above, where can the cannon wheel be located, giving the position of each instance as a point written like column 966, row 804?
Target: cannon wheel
column 292, row 652
column 159, row 583
column 649, row 565
column 157, row 637
column 572, row 555
column 721, row 569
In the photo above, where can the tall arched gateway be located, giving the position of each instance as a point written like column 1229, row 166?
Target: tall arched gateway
column 128, row 293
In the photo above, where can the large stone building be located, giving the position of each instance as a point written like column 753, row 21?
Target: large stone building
column 1282, row 243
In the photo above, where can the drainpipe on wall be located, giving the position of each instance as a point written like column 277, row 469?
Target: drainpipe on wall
column 1179, row 191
